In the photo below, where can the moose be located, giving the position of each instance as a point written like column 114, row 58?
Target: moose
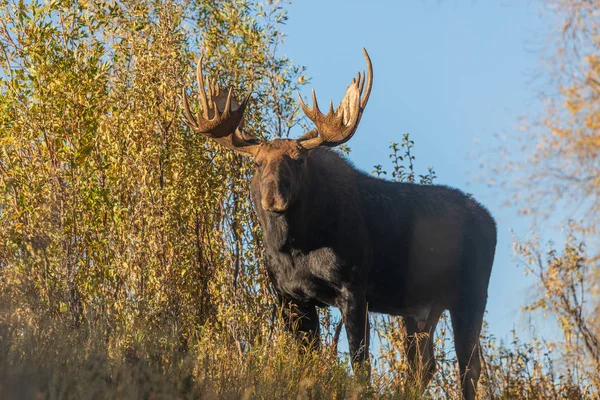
column 336, row 236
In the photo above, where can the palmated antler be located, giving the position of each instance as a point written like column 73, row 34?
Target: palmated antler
column 221, row 117
column 338, row 126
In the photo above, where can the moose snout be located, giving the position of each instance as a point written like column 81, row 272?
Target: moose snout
column 274, row 198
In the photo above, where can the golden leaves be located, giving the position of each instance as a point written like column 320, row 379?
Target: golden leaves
column 108, row 204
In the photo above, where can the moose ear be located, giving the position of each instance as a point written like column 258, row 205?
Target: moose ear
column 313, row 133
column 242, row 138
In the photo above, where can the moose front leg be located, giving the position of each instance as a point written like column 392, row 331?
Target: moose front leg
column 303, row 321
column 353, row 306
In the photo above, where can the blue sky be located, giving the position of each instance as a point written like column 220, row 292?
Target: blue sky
column 453, row 74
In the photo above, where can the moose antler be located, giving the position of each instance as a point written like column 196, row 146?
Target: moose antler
column 337, row 127
column 221, row 116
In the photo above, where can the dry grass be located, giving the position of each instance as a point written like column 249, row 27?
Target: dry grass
column 49, row 360
column 56, row 362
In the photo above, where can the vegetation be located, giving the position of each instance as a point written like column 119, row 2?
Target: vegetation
column 560, row 171
column 130, row 259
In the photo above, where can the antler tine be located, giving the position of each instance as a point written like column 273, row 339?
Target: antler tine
column 361, row 82
column 216, row 94
column 186, row 110
column 339, row 125
column 369, row 79
column 310, row 112
column 315, row 102
column 202, row 93
column 228, row 102
column 305, row 108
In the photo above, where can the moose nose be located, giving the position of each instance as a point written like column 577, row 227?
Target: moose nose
column 273, row 204
column 273, row 199
column 274, row 208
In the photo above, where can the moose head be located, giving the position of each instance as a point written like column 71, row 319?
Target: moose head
column 280, row 162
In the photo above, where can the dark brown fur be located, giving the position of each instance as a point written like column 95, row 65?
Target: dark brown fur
column 336, row 236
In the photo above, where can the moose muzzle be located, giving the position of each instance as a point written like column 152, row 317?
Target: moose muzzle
column 275, row 197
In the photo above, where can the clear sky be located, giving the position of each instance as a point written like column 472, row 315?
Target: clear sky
column 451, row 73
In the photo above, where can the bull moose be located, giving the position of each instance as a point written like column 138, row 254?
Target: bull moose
column 336, row 236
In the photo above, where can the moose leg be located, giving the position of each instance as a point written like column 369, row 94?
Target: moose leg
column 419, row 350
column 466, row 323
column 303, row 321
column 353, row 306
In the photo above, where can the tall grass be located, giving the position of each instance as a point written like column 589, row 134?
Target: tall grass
column 52, row 360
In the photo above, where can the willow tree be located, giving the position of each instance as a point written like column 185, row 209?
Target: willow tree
column 113, row 214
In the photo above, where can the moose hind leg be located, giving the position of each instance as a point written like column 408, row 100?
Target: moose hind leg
column 418, row 346
column 466, row 323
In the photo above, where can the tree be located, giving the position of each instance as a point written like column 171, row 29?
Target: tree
column 113, row 214
column 561, row 166
column 561, row 171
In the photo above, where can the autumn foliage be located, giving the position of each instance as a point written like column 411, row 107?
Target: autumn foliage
column 130, row 258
